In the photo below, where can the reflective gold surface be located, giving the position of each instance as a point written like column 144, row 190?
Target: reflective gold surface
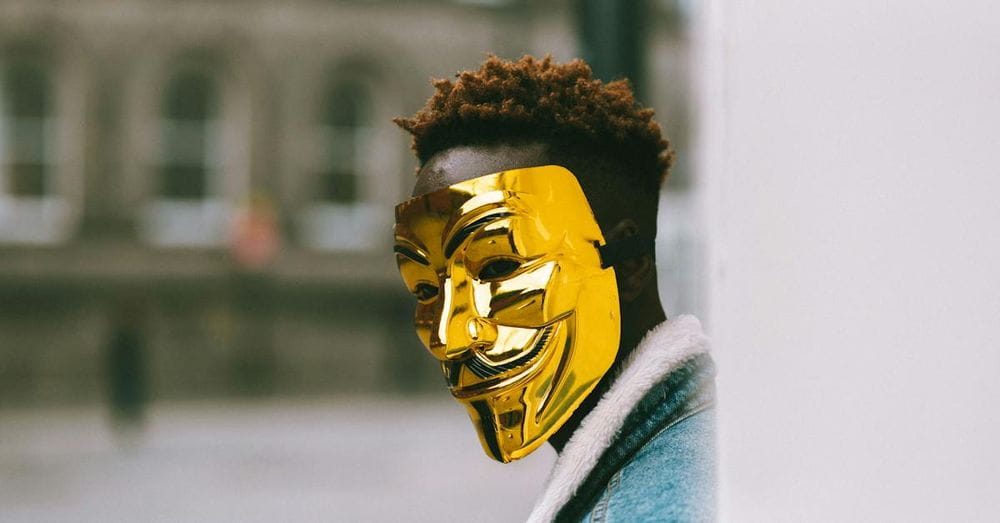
column 512, row 299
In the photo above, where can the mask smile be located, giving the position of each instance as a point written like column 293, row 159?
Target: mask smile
column 492, row 373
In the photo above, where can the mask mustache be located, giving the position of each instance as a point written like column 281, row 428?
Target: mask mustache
column 484, row 370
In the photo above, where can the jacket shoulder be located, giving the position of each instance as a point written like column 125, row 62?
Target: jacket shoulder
column 671, row 478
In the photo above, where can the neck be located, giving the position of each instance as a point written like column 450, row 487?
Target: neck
column 638, row 317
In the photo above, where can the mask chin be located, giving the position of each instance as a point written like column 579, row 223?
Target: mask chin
column 519, row 414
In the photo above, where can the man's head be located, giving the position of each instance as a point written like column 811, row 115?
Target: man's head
column 534, row 112
column 515, row 115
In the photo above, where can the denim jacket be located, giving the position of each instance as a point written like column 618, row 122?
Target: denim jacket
column 658, row 461
column 661, row 467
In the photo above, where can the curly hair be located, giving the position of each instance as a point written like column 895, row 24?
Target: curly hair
column 562, row 104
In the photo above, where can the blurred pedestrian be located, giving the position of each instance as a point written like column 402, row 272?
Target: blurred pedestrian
column 126, row 371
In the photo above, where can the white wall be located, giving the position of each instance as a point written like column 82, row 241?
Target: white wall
column 850, row 159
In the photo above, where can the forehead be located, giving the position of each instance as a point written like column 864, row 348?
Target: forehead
column 458, row 164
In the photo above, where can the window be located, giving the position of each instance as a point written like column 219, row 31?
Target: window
column 188, row 206
column 347, row 133
column 31, row 209
column 341, row 214
column 187, row 129
column 26, row 129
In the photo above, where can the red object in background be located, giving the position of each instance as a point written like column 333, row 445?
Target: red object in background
column 256, row 237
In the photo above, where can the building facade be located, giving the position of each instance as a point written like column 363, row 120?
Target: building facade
column 217, row 180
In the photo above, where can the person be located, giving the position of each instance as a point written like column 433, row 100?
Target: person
column 126, row 372
column 528, row 244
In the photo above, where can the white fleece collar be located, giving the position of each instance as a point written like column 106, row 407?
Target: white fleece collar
column 662, row 350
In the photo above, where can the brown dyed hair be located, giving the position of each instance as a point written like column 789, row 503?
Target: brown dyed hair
column 532, row 99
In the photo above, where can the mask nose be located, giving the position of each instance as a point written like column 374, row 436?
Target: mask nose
column 481, row 332
column 458, row 328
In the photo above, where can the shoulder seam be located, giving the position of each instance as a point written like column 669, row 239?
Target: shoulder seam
column 600, row 512
column 701, row 407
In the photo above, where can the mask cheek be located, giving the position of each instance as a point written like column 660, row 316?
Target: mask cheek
column 525, row 300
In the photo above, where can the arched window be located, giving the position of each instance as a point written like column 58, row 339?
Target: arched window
column 188, row 147
column 192, row 186
column 342, row 213
column 347, row 125
column 36, row 183
column 25, row 122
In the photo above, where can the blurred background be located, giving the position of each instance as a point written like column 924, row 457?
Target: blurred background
column 200, row 318
column 200, row 321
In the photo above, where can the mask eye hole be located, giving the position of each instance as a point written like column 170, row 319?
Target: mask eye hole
column 425, row 291
column 497, row 269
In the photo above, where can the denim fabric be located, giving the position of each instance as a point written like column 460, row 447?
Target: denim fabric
column 670, row 479
column 661, row 467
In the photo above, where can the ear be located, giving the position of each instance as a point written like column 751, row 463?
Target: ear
column 634, row 275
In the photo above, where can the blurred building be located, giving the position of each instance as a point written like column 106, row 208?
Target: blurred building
column 214, row 181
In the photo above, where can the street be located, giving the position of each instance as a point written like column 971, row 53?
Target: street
column 282, row 460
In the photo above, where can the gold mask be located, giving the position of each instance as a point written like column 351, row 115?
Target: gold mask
column 514, row 299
